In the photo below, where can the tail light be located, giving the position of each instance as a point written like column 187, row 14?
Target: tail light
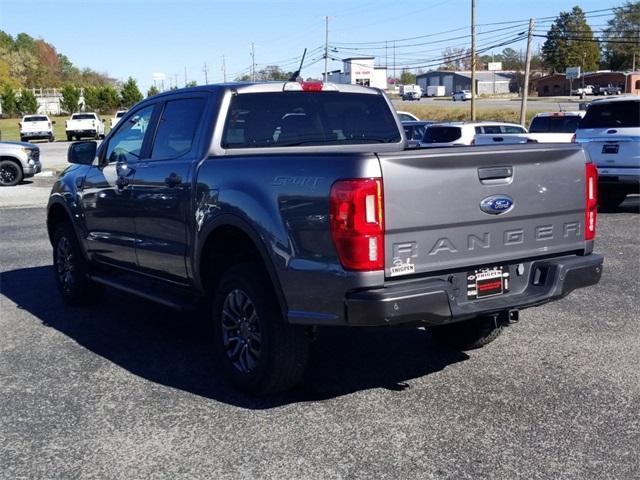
column 357, row 223
column 66, row 123
column 49, row 124
column 591, row 194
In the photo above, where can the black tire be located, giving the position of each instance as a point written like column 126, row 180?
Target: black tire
column 52, row 139
column 70, row 269
column 610, row 198
column 10, row 173
column 22, row 139
column 78, row 138
column 69, row 137
column 259, row 352
column 468, row 334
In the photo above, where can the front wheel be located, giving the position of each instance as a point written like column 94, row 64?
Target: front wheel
column 71, row 269
column 10, row 173
column 468, row 334
column 258, row 352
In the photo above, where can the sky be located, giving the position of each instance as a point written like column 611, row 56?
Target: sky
column 141, row 37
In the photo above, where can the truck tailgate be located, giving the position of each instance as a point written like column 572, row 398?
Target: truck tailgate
column 433, row 216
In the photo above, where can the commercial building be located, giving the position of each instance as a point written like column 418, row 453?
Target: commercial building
column 360, row 71
column 487, row 83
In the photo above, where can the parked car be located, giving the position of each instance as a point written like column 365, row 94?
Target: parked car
column 608, row 90
column 610, row 132
column 287, row 207
column 406, row 116
column 116, row 118
column 463, row 133
column 84, row 125
column 36, row 127
column 586, row 90
column 414, row 131
column 18, row 160
column 461, row 95
column 410, row 96
column 555, row 127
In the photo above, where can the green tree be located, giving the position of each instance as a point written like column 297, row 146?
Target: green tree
column 108, row 99
column 152, row 91
column 570, row 43
column 622, row 38
column 91, row 98
column 407, row 78
column 70, row 98
column 9, row 101
column 130, row 94
column 192, row 83
column 27, row 103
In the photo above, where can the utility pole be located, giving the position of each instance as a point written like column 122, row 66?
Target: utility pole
column 206, row 74
column 527, row 67
column 394, row 62
column 326, row 46
column 473, row 60
column 253, row 62
column 224, row 69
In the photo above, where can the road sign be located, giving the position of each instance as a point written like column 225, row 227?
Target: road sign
column 493, row 66
column 572, row 73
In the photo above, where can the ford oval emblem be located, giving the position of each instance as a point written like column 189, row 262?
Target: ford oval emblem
column 496, row 204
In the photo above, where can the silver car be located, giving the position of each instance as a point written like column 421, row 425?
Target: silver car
column 19, row 160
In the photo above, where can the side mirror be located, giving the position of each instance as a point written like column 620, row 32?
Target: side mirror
column 82, row 153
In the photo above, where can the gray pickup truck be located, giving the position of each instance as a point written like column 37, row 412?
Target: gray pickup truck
column 18, row 160
column 285, row 207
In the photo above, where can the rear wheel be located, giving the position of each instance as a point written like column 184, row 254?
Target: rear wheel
column 467, row 335
column 69, row 137
column 258, row 351
column 71, row 269
column 51, row 139
column 10, row 173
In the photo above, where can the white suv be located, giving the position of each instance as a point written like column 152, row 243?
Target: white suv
column 463, row 133
column 610, row 132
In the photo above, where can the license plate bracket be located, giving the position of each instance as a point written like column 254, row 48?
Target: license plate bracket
column 487, row 282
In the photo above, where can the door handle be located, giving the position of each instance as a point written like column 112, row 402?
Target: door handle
column 173, row 180
column 493, row 173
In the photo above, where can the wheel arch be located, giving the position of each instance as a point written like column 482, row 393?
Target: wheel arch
column 229, row 240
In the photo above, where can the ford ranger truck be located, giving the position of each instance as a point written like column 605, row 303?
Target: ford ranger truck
column 82, row 125
column 274, row 209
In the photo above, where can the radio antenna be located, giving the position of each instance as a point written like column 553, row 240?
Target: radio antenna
column 294, row 75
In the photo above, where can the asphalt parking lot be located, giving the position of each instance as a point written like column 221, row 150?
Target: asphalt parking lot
column 128, row 389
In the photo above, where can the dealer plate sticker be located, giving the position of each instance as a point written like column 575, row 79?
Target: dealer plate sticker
column 487, row 282
column 400, row 268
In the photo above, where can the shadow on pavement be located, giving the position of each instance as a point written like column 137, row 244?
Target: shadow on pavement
column 172, row 348
column 630, row 205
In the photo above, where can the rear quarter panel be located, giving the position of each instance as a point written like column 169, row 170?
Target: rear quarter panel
column 284, row 200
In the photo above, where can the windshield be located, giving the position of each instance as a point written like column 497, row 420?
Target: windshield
column 280, row 119
column 38, row 118
column 559, row 124
column 442, row 134
column 618, row 114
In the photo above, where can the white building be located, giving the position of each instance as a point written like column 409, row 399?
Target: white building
column 361, row 71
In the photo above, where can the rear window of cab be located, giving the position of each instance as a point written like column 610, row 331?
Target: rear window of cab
column 615, row 114
column 286, row 119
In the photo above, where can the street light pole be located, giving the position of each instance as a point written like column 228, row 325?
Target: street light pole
column 473, row 60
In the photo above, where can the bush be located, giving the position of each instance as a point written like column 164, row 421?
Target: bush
column 9, row 101
column 70, row 98
column 28, row 103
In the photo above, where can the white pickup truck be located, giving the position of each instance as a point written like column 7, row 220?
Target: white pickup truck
column 84, row 125
column 36, row 127
column 547, row 127
column 116, row 118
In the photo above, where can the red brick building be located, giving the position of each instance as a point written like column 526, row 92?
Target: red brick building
column 557, row 84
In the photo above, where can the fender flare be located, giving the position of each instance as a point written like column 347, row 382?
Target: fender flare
column 231, row 220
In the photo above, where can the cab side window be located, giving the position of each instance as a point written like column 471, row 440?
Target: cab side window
column 126, row 144
column 177, row 128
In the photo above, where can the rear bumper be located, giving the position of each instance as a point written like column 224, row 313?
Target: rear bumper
column 617, row 176
column 82, row 132
column 36, row 135
column 438, row 301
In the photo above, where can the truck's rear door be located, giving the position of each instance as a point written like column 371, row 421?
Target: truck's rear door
column 459, row 207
